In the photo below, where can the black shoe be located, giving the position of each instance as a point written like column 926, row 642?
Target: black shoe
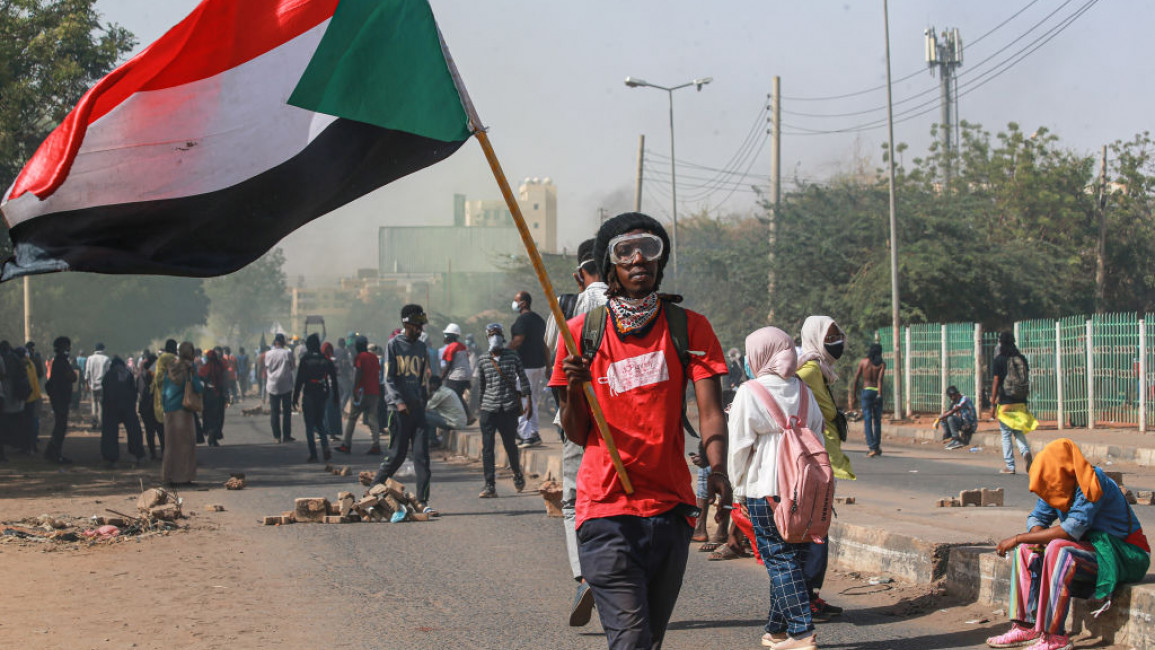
column 519, row 482
column 289, row 439
column 312, row 459
column 489, row 492
column 583, row 605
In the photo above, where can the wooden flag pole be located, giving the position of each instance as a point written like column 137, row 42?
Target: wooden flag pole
column 551, row 297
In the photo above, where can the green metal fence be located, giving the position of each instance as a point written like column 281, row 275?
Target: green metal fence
column 1085, row 370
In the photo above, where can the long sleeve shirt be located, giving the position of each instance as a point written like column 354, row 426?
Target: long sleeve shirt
column 317, row 376
column 1110, row 514
column 405, row 373
column 501, row 390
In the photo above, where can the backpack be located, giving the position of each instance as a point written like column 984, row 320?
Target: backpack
column 1017, row 384
column 805, row 478
column 594, row 329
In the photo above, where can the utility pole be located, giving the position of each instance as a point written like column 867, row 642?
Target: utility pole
column 1101, row 247
column 947, row 56
column 638, row 180
column 894, row 304
column 775, row 182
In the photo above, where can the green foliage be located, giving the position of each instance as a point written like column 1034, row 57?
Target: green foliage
column 126, row 313
column 247, row 302
column 51, row 52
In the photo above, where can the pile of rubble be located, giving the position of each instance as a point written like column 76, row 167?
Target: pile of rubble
column 158, row 509
column 384, row 502
column 981, row 497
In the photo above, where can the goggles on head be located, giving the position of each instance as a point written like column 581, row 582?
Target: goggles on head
column 586, row 266
column 416, row 319
column 624, row 248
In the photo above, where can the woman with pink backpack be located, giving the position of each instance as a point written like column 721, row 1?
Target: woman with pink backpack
column 780, row 471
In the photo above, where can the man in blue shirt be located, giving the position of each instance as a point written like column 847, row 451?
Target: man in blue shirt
column 959, row 421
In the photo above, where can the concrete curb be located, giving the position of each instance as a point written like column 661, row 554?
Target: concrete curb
column 972, row 572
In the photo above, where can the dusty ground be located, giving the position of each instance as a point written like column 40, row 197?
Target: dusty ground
column 204, row 586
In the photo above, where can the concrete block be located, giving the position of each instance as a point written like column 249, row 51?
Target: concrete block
column 1145, row 494
column 971, row 497
column 991, row 497
column 876, row 551
column 1145, row 501
column 551, row 492
column 345, row 504
column 337, row 519
column 344, row 471
column 311, row 509
column 236, row 483
column 1115, row 476
column 1129, row 496
column 365, row 478
column 214, row 507
column 396, row 487
column 849, row 501
column 287, row 520
column 378, row 490
column 167, row 512
column 418, row 516
column 271, row 520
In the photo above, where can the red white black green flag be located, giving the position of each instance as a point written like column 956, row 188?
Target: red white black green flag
column 245, row 121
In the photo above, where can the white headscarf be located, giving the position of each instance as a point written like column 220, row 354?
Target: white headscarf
column 814, row 330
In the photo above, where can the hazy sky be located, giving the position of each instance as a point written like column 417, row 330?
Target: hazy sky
column 547, row 78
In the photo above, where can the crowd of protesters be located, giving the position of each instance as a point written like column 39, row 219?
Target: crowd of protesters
column 640, row 354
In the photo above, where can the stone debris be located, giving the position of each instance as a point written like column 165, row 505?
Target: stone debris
column 256, row 410
column 236, row 482
column 845, row 500
column 214, row 507
column 980, row 497
column 1145, row 498
column 382, row 502
column 366, row 478
column 551, row 492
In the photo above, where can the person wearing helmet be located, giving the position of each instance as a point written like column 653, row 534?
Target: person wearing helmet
column 457, row 370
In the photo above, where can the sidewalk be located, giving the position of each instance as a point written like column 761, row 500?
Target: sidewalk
column 894, row 527
column 1100, row 446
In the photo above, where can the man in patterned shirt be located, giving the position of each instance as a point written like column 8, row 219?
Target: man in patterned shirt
column 502, row 383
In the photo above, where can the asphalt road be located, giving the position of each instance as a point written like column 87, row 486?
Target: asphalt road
column 487, row 573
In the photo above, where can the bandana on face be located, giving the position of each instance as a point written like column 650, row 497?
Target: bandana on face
column 633, row 316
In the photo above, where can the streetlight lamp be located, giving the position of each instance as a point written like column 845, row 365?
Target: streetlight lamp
column 633, row 82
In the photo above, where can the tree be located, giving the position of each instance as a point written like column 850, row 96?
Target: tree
column 51, row 52
column 247, row 302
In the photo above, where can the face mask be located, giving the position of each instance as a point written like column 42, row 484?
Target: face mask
column 516, row 306
column 496, row 342
column 835, row 349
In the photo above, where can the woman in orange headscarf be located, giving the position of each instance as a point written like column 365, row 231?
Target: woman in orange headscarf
column 1097, row 542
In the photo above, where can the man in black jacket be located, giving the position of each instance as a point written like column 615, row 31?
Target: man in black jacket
column 59, row 388
column 318, row 377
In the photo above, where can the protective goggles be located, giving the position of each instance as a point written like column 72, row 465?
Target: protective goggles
column 416, row 319
column 624, row 248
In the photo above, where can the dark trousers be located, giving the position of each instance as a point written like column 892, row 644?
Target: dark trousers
column 214, row 414
column 153, row 430
column 114, row 416
column 313, row 408
column 332, row 419
column 281, row 411
column 789, row 601
column 410, row 430
column 634, row 566
column 459, row 386
column 815, row 566
column 872, row 418
column 60, row 406
column 505, row 423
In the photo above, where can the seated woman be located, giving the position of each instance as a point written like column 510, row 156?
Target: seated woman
column 1096, row 544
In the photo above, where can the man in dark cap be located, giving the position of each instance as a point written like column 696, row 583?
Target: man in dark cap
column 633, row 547
column 318, row 378
column 407, row 361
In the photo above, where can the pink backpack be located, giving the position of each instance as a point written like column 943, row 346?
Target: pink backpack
column 805, row 480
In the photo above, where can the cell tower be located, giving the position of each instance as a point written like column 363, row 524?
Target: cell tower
column 945, row 52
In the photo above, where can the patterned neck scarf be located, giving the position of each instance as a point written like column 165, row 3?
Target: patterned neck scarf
column 633, row 315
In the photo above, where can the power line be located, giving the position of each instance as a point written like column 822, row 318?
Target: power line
column 972, row 84
column 665, row 161
column 912, row 74
column 933, row 89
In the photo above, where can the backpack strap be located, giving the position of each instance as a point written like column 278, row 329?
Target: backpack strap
column 677, row 323
column 593, row 330
column 775, row 410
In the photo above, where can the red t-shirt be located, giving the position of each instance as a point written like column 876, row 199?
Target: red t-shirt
column 638, row 382
column 370, row 367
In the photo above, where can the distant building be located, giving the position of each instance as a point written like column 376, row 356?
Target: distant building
column 332, row 302
column 537, row 199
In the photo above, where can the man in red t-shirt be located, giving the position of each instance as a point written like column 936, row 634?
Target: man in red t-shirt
column 633, row 547
column 366, row 395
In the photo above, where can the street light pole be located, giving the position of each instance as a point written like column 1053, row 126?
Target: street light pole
column 698, row 83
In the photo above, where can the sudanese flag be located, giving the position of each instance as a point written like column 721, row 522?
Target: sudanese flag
column 244, row 122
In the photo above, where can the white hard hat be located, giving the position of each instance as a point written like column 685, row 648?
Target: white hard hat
column 452, row 328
